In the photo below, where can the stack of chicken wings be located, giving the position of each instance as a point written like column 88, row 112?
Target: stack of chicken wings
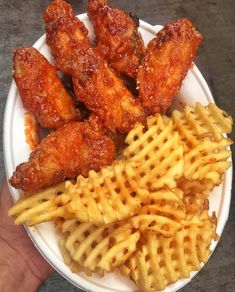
column 74, row 145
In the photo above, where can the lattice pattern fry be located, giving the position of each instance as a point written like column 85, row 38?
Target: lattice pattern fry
column 193, row 187
column 207, row 161
column 161, row 261
column 107, row 196
column 196, row 122
column 165, row 202
column 42, row 206
column 97, row 249
column 159, row 224
column 196, row 194
column 74, row 266
column 159, row 151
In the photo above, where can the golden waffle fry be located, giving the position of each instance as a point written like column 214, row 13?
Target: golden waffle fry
column 65, row 253
column 207, row 161
column 196, row 195
column 196, row 204
column 158, row 224
column 97, row 249
column 158, row 150
column 74, row 266
column 162, row 213
column 107, row 196
column 196, row 122
column 193, row 187
column 160, row 261
column 41, row 206
column 165, row 202
column 58, row 222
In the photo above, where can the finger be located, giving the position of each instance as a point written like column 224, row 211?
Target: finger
column 6, row 199
column 5, row 203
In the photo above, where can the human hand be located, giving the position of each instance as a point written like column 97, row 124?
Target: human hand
column 22, row 268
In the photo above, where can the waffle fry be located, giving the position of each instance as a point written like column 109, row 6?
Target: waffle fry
column 159, row 151
column 74, row 266
column 158, row 224
column 196, row 195
column 196, row 204
column 41, row 206
column 162, row 213
column 208, row 161
column 58, row 222
column 97, row 249
column 168, row 203
column 193, row 187
column 86, row 241
column 107, row 196
column 65, row 253
column 196, row 122
column 160, row 261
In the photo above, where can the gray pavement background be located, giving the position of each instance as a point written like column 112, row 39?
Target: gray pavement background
column 21, row 24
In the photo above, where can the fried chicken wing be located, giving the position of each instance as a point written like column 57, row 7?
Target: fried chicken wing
column 106, row 95
column 73, row 149
column 67, row 37
column 118, row 38
column 41, row 91
column 95, row 84
column 169, row 56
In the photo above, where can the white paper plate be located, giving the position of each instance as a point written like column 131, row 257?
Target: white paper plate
column 44, row 235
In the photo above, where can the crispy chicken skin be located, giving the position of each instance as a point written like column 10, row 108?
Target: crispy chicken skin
column 41, row 91
column 168, row 57
column 105, row 94
column 67, row 37
column 118, row 38
column 95, row 84
column 73, row 149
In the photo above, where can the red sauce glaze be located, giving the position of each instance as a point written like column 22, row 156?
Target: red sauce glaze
column 41, row 91
column 95, row 84
column 73, row 149
column 31, row 131
column 168, row 58
column 119, row 41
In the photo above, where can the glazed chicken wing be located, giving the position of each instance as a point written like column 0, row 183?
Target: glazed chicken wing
column 105, row 94
column 41, row 91
column 118, row 38
column 67, row 37
column 169, row 56
column 95, row 84
column 73, row 149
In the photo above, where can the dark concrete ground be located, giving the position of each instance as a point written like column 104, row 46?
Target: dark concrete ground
column 21, row 24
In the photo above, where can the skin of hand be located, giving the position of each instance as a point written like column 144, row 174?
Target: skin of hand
column 22, row 268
